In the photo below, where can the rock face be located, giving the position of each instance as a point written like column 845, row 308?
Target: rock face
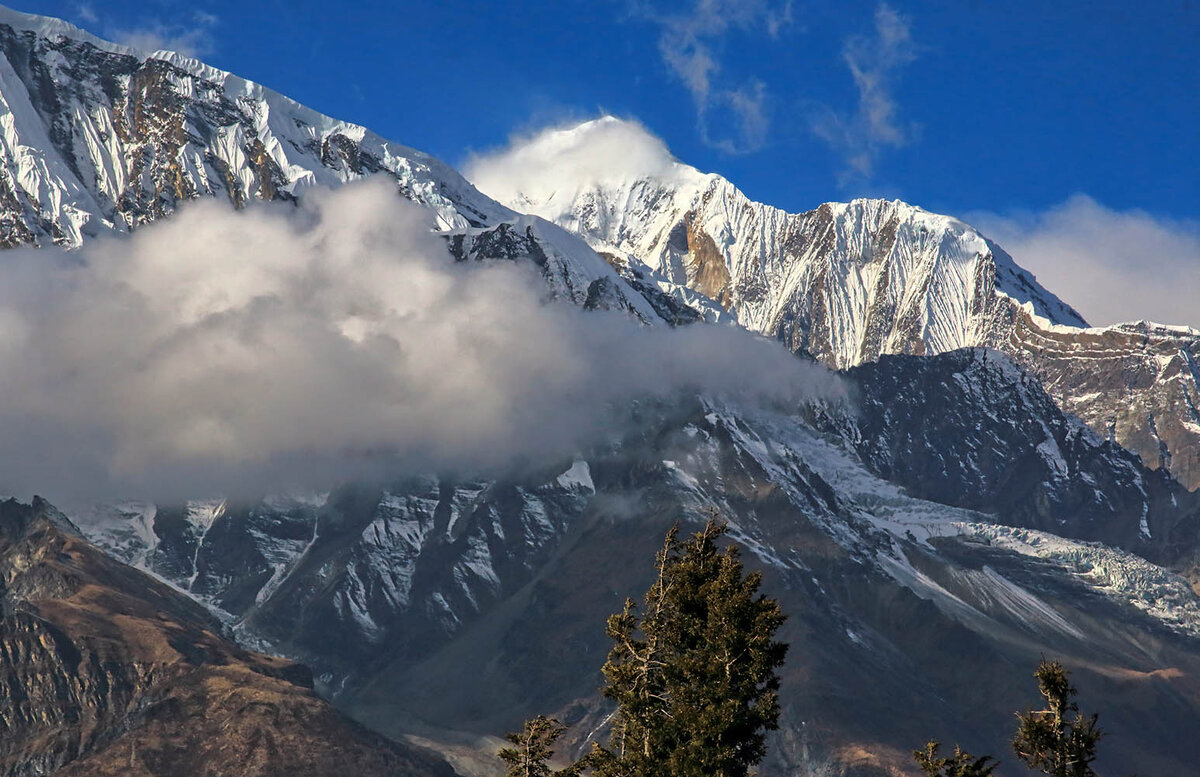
column 969, row 428
column 452, row 610
column 103, row 138
column 105, row 671
column 1138, row 384
column 397, row 569
column 849, row 282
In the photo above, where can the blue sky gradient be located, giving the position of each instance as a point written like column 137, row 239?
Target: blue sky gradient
column 999, row 106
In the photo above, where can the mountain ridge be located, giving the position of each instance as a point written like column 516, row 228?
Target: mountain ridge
column 105, row 671
column 451, row 607
column 103, row 137
column 850, row 282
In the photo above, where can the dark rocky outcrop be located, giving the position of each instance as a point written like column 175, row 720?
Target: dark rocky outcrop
column 970, row 428
column 452, row 610
column 106, row 671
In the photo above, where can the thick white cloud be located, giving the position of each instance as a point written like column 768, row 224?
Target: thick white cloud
column 280, row 347
column 1112, row 266
column 553, row 164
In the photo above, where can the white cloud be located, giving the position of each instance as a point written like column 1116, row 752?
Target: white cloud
column 86, row 13
column 731, row 117
column 193, row 38
column 550, row 166
column 874, row 62
column 280, row 347
column 1112, row 266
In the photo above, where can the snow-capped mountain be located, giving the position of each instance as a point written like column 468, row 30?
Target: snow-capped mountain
column 849, row 282
column 452, row 609
column 448, row 608
column 101, row 138
column 98, row 137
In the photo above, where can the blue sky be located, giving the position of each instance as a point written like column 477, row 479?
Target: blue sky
column 996, row 105
column 1010, row 112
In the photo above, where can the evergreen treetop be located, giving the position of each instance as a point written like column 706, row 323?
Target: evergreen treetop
column 693, row 670
column 961, row 764
column 533, row 748
column 1052, row 740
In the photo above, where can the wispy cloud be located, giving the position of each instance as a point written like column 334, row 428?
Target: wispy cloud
column 86, row 13
column 192, row 38
column 730, row 115
column 1110, row 265
column 874, row 61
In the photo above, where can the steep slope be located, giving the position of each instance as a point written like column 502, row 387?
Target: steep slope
column 448, row 610
column 997, row 443
column 104, row 671
column 1138, row 384
column 99, row 139
column 849, row 282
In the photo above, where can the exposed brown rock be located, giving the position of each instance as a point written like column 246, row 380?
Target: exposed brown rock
column 1138, row 384
column 707, row 272
column 105, row 671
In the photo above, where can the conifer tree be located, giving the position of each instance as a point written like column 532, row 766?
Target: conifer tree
column 961, row 764
column 533, row 749
column 1050, row 742
column 693, row 670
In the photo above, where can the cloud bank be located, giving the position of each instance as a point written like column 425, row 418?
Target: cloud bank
column 1112, row 266
column 732, row 117
column 226, row 352
column 550, row 166
column 875, row 62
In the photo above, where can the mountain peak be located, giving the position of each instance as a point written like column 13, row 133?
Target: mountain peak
column 50, row 27
column 103, row 138
column 894, row 277
column 545, row 172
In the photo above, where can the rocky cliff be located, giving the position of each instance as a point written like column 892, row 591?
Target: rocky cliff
column 450, row 609
column 106, row 671
column 850, row 282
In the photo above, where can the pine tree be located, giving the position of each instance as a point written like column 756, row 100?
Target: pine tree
column 961, row 764
column 533, row 750
column 1046, row 739
column 694, row 672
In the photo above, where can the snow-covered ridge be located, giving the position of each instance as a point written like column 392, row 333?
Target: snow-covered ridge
column 96, row 137
column 51, row 27
column 850, row 282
